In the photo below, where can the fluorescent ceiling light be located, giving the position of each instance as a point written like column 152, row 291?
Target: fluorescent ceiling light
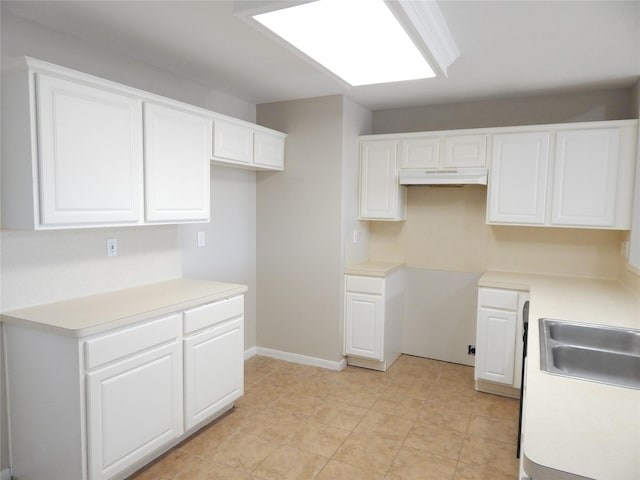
column 358, row 40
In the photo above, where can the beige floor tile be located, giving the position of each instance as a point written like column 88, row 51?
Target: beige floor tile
column 272, row 425
column 488, row 453
column 340, row 415
column 498, row 429
column 503, row 407
column 382, row 425
column 368, row 452
column 166, row 467
column 436, row 440
column 298, row 403
column 318, row 438
column 335, row 470
column 444, row 416
column 480, row 472
column 412, row 464
column 289, row 463
column 356, row 396
column 260, row 394
column 242, row 451
column 299, row 422
column 413, row 385
column 395, row 401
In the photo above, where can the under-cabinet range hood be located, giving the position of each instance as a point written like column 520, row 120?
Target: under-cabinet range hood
column 453, row 176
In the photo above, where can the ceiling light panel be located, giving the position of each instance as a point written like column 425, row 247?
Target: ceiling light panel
column 360, row 41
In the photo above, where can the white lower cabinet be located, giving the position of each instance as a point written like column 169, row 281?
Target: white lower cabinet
column 101, row 406
column 373, row 319
column 215, row 352
column 498, row 365
column 133, row 409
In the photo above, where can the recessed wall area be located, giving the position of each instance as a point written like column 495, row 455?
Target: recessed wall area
column 446, row 230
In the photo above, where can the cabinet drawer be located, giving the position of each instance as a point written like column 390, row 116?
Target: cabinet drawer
column 109, row 347
column 501, row 299
column 357, row 283
column 212, row 313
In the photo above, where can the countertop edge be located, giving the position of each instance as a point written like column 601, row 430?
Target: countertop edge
column 30, row 317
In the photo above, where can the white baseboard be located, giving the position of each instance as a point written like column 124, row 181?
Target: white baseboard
column 302, row 359
column 248, row 353
column 5, row 474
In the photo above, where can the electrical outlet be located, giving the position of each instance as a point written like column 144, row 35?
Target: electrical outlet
column 112, row 247
column 471, row 349
column 201, row 239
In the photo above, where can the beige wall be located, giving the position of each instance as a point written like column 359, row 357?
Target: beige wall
column 446, row 230
column 305, row 219
column 299, row 233
column 445, row 227
column 559, row 108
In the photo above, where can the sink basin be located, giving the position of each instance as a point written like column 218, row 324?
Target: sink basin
column 590, row 352
column 595, row 336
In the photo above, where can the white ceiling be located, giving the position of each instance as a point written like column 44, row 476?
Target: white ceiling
column 508, row 48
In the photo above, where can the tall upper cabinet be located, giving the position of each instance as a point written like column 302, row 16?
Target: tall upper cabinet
column 176, row 190
column 381, row 195
column 79, row 151
column 569, row 175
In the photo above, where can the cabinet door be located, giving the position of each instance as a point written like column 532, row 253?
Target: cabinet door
column 496, row 341
column 381, row 196
column 518, row 178
column 133, row 408
column 177, row 147
column 90, row 154
column 462, row 151
column 232, row 142
column 214, row 370
column 420, row 153
column 586, row 175
column 268, row 151
column 364, row 322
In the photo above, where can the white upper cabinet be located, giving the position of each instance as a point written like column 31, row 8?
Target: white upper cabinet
column 462, row 151
column 89, row 154
column 441, row 150
column 82, row 154
column 420, row 153
column 247, row 145
column 232, row 142
column 586, row 177
column 177, row 145
column 568, row 175
column 518, row 178
column 381, row 196
column 268, row 150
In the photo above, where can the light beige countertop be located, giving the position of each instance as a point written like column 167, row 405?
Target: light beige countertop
column 84, row 316
column 372, row 269
column 573, row 426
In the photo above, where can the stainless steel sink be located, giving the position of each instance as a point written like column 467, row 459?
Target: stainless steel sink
column 590, row 352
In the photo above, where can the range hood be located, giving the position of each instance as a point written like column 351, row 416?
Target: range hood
column 453, row 176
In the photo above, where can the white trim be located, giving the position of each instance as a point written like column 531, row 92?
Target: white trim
column 302, row 359
column 248, row 353
column 5, row 474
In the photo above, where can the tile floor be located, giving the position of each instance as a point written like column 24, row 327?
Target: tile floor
column 421, row 420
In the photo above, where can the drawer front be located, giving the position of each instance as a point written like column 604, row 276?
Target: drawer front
column 212, row 313
column 357, row 283
column 497, row 298
column 137, row 338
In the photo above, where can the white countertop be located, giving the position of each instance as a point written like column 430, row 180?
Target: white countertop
column 372, row 269
column 575, row 426
column 97, row 313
